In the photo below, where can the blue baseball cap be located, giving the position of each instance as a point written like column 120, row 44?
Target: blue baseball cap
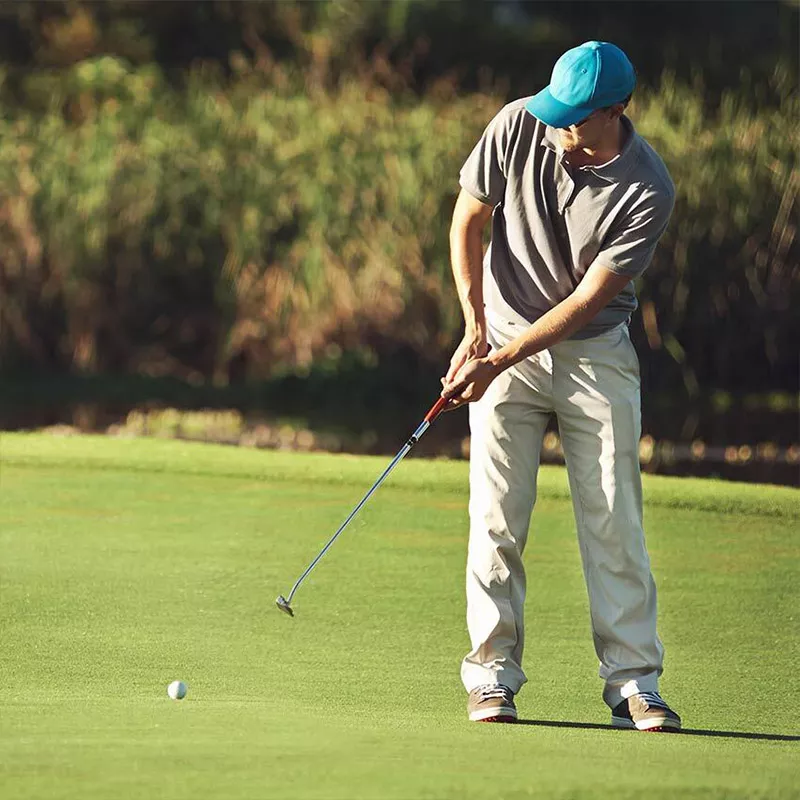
column 591, row 76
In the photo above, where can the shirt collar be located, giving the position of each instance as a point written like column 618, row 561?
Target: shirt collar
column 612, row 171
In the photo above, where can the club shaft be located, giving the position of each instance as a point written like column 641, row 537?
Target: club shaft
column 424, row 425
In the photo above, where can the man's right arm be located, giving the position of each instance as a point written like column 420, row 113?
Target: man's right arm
column 466, row 257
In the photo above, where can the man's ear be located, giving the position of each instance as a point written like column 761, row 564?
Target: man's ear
column 618, row 109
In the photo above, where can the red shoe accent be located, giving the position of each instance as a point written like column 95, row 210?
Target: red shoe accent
column 661, row 729
column 497, row 719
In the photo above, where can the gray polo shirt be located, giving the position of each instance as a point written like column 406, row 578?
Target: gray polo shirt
column 552, row 220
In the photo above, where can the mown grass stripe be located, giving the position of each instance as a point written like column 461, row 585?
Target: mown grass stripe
column 442, row 476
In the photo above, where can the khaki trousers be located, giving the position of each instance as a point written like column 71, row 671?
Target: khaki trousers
column 593, row 388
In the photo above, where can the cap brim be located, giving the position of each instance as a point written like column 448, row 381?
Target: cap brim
column 545, row 107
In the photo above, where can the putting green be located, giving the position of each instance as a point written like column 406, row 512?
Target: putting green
column 125, row 564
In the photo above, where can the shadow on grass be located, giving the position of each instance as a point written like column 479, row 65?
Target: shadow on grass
column 769, row 737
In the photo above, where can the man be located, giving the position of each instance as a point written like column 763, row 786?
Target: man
column 578, row 201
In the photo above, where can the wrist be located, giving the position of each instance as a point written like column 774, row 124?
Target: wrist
column 499, row 360
column 475, row 324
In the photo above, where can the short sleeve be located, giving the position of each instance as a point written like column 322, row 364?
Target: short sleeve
column 485, row 172
column 629, row 247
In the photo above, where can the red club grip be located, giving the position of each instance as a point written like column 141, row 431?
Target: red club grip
column 436, row 409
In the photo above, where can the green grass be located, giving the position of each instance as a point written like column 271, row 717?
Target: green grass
column 125, row 564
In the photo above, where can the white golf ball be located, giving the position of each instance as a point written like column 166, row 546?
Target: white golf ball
column 177, row 690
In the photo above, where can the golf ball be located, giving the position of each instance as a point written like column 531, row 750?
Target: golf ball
column 177, row 690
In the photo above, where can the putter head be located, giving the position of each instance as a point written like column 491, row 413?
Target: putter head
column 283, row 605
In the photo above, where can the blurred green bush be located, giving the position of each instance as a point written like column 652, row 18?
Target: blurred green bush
column 232, row 228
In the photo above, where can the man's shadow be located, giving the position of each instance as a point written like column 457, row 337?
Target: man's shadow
column 769, row 737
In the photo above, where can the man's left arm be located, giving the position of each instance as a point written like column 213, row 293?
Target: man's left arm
column 624, row 256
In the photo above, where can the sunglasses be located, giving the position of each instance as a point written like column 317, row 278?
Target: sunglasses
column 584, row 120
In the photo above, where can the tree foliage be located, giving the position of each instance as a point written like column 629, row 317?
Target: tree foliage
column 275, row 191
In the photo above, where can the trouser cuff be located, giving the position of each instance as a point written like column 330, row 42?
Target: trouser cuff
column 473, row 676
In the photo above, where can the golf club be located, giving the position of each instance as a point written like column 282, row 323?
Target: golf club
column 437, row 408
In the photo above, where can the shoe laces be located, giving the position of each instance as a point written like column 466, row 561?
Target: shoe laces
column 652, row 699
column 492, row 690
